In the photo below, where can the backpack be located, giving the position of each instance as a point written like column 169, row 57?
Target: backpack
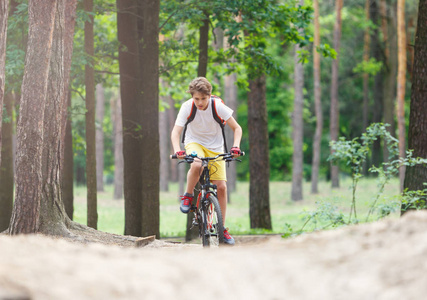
column 217, row 118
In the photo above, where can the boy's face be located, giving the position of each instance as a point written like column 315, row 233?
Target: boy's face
column 201, row 100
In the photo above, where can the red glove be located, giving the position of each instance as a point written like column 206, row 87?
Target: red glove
column 180, row 153
column 235, row 151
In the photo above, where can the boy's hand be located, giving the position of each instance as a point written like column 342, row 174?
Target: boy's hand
column 235, row 151
column 180, row 154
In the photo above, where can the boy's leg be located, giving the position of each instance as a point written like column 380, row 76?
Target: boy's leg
column 222, row 196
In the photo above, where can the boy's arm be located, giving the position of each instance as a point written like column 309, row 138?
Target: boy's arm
column 237, row 131
column 175, row 136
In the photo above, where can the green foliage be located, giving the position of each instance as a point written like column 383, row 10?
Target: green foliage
column 371, row 67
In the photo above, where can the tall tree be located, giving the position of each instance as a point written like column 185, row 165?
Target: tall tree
column 334, row 115
column 118, row 149
column 259, row 193
column 100, row 111
column 68, row 163
column 366, row 42
column 26, row 210
column 416, row 176
column 297, row 126
column 4, row 12
column 6, row 165
column 148, row 27
column 92, row 210
column 317, row 103
column 131, row 113
column 164, row 144
column 401, row 85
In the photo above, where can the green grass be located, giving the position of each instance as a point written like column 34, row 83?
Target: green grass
column 284, row 212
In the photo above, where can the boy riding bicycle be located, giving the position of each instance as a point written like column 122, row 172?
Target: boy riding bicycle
column 204, row 135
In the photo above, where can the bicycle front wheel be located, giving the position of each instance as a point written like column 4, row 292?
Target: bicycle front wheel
column 213, row 228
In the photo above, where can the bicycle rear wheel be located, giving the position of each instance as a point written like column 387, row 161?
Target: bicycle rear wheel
column 213, row 228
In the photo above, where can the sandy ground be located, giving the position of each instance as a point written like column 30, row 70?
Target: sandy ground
column 384, row 260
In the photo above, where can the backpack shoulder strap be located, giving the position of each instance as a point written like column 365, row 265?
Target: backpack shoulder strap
column 218, row 119
column 190, row 118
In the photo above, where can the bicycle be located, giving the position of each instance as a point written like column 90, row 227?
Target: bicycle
column 207, row 211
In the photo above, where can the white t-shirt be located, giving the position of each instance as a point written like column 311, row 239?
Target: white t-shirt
column 204, row 130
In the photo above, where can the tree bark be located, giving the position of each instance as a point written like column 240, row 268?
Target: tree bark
column 297, row 129
column 149, row 65
column 26, row 211
column 100, row 111
column 92, row 211
column 416, row 176
column 259, row 166
column 68, row 164
column 164, row 145
column 401, row 84
column 390, row 76
column 118, row 150
column 366, row 45
column 334, row 116
column 6, row 166
column 4, row 12
column 317, row 103
column 131, row 113
column 203, row 47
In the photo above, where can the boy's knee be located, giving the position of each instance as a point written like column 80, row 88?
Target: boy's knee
column 221, row 186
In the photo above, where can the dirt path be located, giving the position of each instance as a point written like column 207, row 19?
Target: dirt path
column 385, row 260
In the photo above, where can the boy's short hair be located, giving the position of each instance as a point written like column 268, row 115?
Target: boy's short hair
column 201, row 85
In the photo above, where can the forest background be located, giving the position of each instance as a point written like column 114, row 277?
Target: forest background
column 276, row 45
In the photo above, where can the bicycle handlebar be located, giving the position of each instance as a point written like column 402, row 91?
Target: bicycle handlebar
column 190, row 157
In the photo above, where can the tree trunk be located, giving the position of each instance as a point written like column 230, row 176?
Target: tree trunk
column 416, row 176
column 171, row 121
column 6, row 166
column 390, row 76
column 297, row 129
column 68, row 167
column 377, row 53
column 149, row 64
column 131, row 113
column 317, row 103
column 118, row 150
column 68, row 164
column 334, row 119
column 401, row 84
column 100, row 111
column 4, row 11
column 92, row 212
column 26, row 211
column 52, row 213
column 366, row 42
column 203, row 47
column 164, row 145
column 259, row 166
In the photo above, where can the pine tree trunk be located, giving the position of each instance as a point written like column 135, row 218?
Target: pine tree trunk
column 92, row 210
column 52, row 213
column 317, row 103
column 26, row 211
column 203, row 47
column 171, row 121
column 68, row 167
column 334, row 116
column 416, row 176
column 390, row 76
column 100, row 111
column 4, row 11
column 259, row 166
column 149, row 65
column 377, row 53
column 68, row 164
column 131, row 113
column 6, row 166
column 118, row 150
column 366, row 42
column 164, row 145
column 401, row 84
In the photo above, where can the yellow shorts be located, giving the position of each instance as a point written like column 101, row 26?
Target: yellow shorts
column 217, row 168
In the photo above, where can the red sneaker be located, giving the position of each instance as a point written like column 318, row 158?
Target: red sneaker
column 186, row 201
column 228, row 239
